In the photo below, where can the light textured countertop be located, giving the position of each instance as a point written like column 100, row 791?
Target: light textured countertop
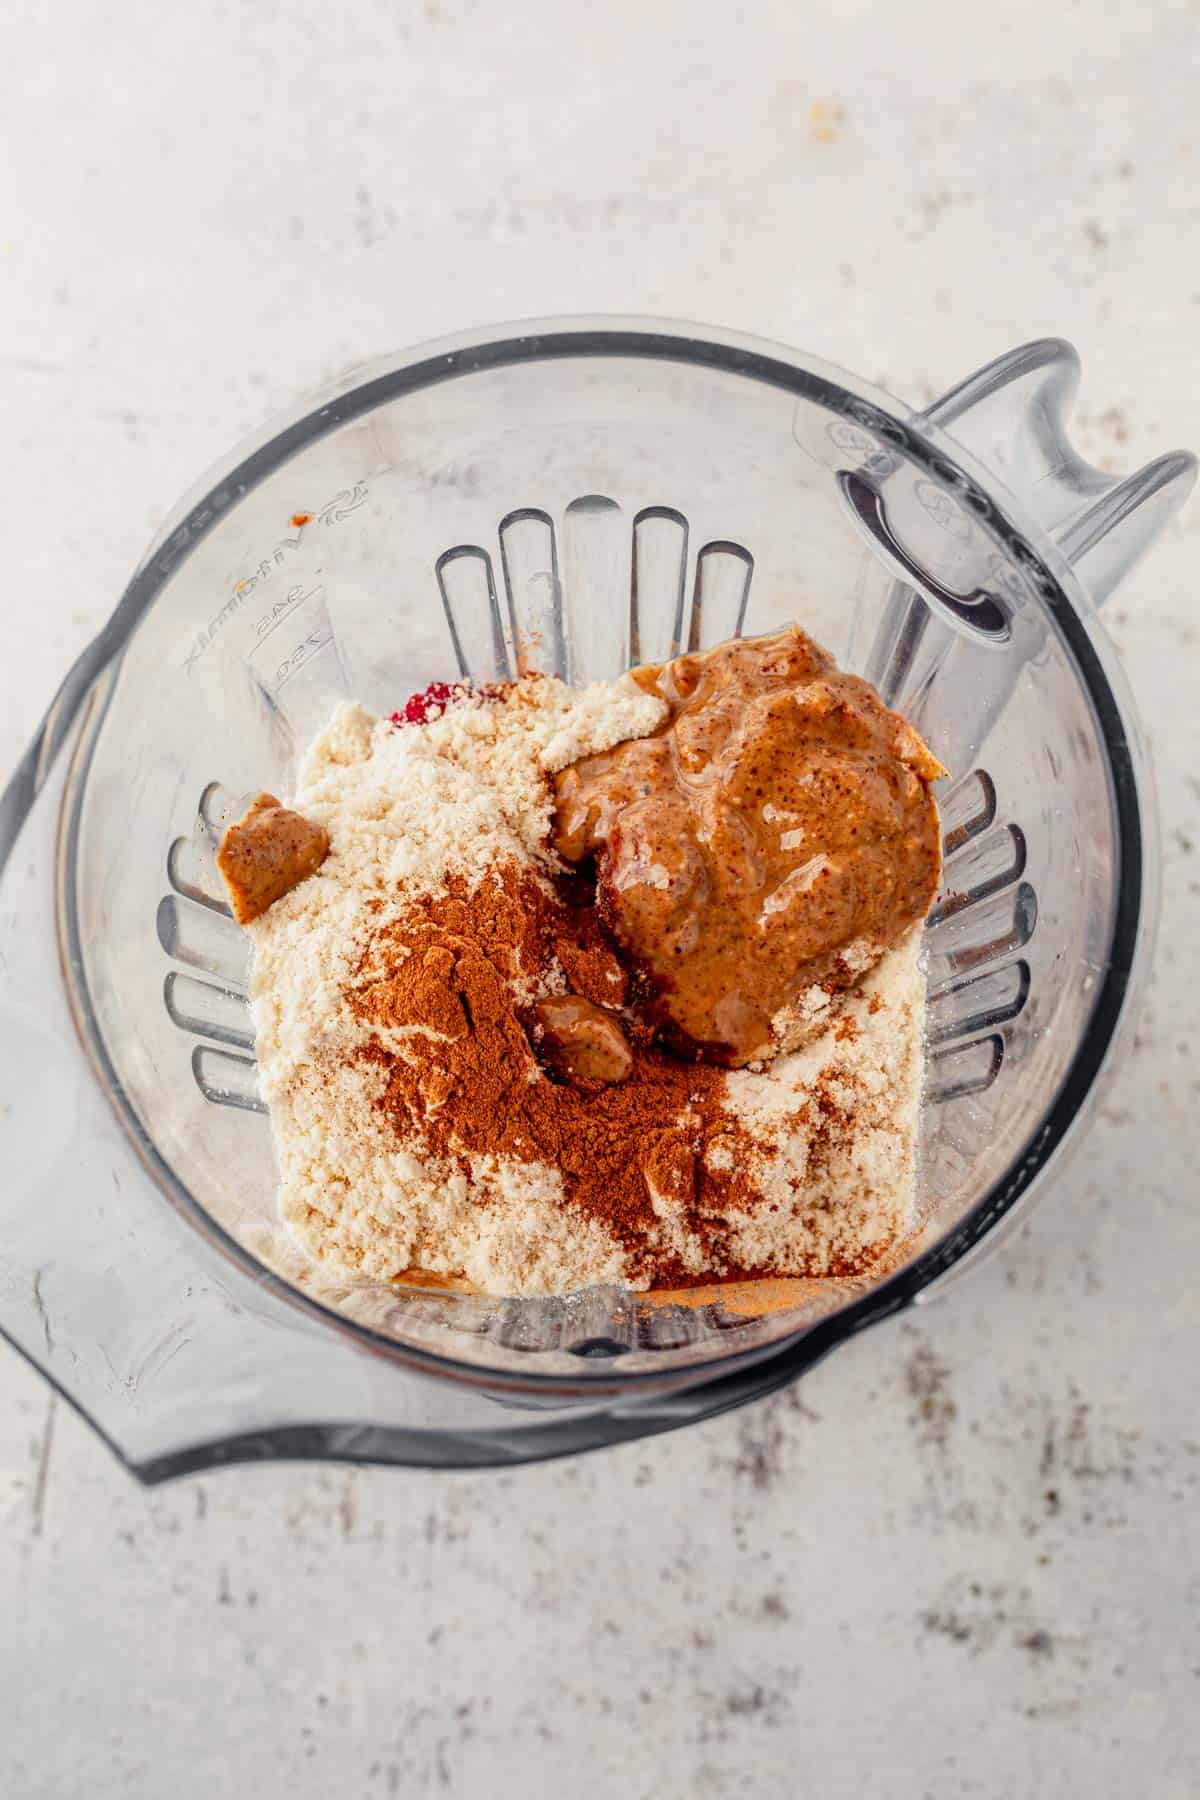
column 961, row 1559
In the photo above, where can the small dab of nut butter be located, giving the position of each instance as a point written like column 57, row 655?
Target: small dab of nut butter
column 266, row 854
column 582, row 1042
column 776, row 832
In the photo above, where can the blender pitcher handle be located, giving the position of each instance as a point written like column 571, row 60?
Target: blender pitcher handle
column 1012, row 415
column 27, row 779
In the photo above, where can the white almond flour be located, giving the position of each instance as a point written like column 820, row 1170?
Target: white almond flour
column 408, row 808
column 405, row 808
column 839, row 1122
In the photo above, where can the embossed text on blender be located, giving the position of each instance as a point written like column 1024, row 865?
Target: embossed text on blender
column 345, row 502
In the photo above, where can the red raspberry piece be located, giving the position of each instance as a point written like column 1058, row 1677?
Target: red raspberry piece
column 431, row 702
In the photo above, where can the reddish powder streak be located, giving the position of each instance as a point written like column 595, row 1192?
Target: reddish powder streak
column 447, row 966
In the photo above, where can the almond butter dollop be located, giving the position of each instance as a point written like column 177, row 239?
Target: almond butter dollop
column 777, row 831
column 267, row 853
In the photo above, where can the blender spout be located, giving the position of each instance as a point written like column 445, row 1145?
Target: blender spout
column 1012, row 414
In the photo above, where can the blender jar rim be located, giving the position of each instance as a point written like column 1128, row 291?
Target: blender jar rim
column 755, row 359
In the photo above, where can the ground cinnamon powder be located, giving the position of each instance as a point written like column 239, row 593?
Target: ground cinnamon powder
column 449, row 989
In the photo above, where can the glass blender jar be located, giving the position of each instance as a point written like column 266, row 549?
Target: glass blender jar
column 589, row 494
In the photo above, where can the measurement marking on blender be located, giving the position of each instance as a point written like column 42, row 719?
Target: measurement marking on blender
column 271, row 621
column 318, row 639
column 333, row 512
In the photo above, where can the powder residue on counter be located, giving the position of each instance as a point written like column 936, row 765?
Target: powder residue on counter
column 403, row 993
